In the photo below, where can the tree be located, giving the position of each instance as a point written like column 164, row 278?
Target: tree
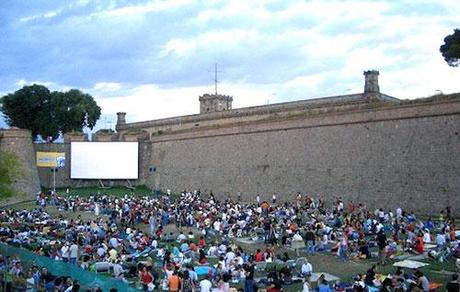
column 451, row 48
column 50, row 113
column 9, row 169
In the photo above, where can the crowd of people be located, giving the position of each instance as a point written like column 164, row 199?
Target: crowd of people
column 208, row 230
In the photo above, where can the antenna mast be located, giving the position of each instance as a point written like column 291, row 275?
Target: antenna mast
column 216, row 80
column 215, row 77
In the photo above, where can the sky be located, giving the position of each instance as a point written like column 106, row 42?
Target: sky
column 153, row 59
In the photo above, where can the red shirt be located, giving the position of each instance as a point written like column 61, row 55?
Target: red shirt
column 146, row 278
column 201, row 243
column 259, row 257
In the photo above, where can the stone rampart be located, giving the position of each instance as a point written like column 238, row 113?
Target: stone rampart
column 19, row 142
column 405, row 154
column 398, row 153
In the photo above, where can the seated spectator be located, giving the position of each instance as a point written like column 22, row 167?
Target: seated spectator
column 306, row 269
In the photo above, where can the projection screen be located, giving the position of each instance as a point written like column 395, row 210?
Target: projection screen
column 104, row 160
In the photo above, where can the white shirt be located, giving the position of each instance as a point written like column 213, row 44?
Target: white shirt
column 306, row 287
column 307, row 268
column 101, row 251
column 205, row 285
column 229, row 257
column 74, row 251
column 113, row 242
column 217, row 226
column 117, row 270
column 65, row 251
column 181, row 237
column 426, row 237
column 440, row 239
column 297, row 237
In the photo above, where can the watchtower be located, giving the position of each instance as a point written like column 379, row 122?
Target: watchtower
column 210, row 103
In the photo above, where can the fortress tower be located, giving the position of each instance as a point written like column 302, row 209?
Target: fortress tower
column 210, row 103
column 371, row 84
column 19, row 142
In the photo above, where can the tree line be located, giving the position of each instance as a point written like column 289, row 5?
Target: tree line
column 50, row 113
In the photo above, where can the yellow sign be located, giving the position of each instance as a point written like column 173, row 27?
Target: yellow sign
column 50, row 159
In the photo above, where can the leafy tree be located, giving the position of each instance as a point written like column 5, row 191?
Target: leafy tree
column 451, row 48
column 50, row 113
column 9, row 169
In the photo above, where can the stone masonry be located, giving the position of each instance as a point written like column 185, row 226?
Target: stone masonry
column 19, row 142
column 367, row 147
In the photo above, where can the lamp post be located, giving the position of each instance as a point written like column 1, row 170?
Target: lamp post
column 54, row 170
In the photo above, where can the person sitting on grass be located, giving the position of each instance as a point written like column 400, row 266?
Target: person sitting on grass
column 306, row 269
column 259, row 256
column 323, row 285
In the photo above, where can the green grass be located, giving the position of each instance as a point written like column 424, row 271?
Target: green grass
column 112, row 191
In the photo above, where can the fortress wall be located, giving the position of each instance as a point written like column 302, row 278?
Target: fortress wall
column 395, row 157
column 19, row 142
column 383, row 155
column 63, row 174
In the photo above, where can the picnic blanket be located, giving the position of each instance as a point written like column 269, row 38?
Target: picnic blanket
column 201, row 270
column 330, row 278
column 429, row 246
column 410, row 264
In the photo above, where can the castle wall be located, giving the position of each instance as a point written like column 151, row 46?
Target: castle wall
column 19, row 142
column 405, row 156
column 63, row 174
column 383, row 154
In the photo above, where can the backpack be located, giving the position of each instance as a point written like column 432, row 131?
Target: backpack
column 187, row 285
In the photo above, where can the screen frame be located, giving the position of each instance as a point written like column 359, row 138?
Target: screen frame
column 136, row 177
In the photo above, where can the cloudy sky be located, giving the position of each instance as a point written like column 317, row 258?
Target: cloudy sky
column 153, row 59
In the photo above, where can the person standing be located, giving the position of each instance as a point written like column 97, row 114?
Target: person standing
column 310, row 241
column 382, row 243
column 419, row 243
column 152, row 222
column 249, row 284
column 96, row 209
column 343, row 248
column 186, row 283
column 274, row 198
column 146, row 278
column 206, row 285
column 174, row 282
column 73, row 254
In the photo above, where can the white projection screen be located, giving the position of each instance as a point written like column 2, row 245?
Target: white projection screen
column 104, row 160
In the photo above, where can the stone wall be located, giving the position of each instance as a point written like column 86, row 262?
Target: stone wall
column 63, row 174
column 406, row 155
column 383, row 154
column 19, row 142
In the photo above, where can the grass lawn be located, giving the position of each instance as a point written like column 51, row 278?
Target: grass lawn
column 111, row 191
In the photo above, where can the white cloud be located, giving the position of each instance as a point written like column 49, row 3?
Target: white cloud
column 107, row 86
column 126, row 55
column 49, row 84
column 150, row 6
column 46, row 15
